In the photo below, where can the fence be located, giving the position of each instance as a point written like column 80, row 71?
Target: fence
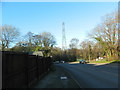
column 20, row 70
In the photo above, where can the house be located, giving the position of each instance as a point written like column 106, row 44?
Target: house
column 38, row 53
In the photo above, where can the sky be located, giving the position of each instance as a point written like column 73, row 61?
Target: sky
column 79, row 17
column 60, row 0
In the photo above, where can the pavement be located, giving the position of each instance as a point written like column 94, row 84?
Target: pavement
column 57, row 79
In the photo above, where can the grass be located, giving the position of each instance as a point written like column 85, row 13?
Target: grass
column 104, row 61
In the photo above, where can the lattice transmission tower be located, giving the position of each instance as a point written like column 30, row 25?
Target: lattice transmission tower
column 63, row 37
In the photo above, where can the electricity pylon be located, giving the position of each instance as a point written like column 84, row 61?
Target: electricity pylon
column 63, row 37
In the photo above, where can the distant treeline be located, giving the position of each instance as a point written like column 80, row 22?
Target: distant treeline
column 103, row 42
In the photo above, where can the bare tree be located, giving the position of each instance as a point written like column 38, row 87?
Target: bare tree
column 106, row 34
column 29, row 38
column 74, row 43
column 9, row 35
column 86, row 49
column 37, row 40
column 48, row 39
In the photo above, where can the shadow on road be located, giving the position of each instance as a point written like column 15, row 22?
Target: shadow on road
column 114, row 67
column 113, row 64
column 52, row 80
column 108, row 73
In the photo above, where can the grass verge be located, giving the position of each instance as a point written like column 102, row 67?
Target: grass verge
column 104, row 61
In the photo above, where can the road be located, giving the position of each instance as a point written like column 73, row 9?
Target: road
column 92, row 76
column 53, row 80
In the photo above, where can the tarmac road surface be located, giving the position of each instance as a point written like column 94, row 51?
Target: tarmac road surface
column 92, row 76
column 53, row 80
